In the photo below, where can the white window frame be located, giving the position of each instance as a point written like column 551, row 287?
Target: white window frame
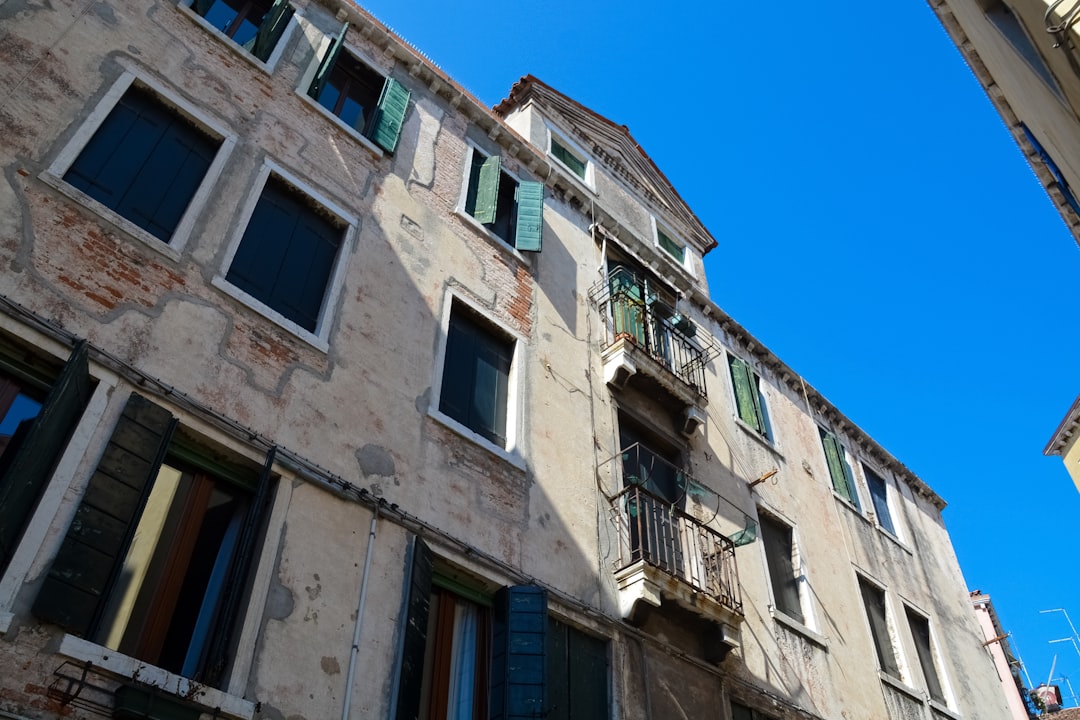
column 320, row 337
column 809, row 625
column 267, row 67
column 53, row 175
column 935, row 651
column 589, row 181
column 309, row 74
column 657, row 228
column 891, row 493
column 512, row 452
column 891, row 628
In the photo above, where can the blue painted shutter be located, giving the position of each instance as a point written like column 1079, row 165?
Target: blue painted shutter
column 272, row 28
column 414, row 641
column 21, row 484
column 519, row 654
column 327, row 64
column 487, row 189
column 222, row 644
column 390, row 115
column 77, row 587
column 530, row 216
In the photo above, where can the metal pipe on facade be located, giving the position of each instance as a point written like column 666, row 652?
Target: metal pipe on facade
column 351, row 675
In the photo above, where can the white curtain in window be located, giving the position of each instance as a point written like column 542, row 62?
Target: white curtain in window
column 463, row 662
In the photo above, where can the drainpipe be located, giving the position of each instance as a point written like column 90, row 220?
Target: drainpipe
column 359, row 617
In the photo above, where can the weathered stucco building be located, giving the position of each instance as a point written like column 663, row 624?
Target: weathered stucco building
column 327, row 391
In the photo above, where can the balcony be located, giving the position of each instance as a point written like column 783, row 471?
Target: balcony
column 644, row 336
column 665, row 553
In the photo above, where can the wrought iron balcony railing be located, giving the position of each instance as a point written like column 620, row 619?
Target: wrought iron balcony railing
column 653, row 527
column 633, row 312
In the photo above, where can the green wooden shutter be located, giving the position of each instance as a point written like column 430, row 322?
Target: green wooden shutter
column 223, row 634
column 519, row 653
column 487, row 189
column 746, row 394
column 390, row 114
column 272, row 28
column 26, row 476
column 414, row 640
column 530, row 216
column 327, row 64
column 834, row 455
column 77, row 587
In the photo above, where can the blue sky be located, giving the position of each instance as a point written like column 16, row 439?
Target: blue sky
column 878, row 229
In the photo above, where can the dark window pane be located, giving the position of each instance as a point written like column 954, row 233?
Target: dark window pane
column 287, row 255
column 879, row 494
column 476, row 369
column 777, row 539
column 144, row 162
column 874, row 600
column 920, row 633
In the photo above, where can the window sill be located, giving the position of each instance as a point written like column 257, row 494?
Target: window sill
column 900, row 543
column 508, row 456
column 501, row 244
column 266, row 67
column 351, row 131
column 119, row 222
column 797, row 627
column 901, row 686
column 129, row 668
column 5, row 622
column 942, row 709
column 849, row 505
column 764, row 441
column 315, row 341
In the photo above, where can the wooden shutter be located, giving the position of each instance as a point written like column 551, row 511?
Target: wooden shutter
column 21, row 484
column 777, row 539
column 519, row 653
column 487, row 189
column 77, row 587
column 414, row 641
column 222, row 644
column 874, row 600
column 327, row 64
column 530, row 216
column 390, row 115
column 839, row 471
column 577, row 674
column 746, row 394
column 272, row 28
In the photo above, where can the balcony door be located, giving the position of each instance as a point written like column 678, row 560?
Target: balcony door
column 652, row 475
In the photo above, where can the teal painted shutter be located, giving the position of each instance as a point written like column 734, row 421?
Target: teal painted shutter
column 327, row 64
column 519, row 653
column 487, row 189
column 77, row 587
column 272, row 28
column 414, row 641
column 530, row 216
column 222, row 637
column 25, row 478
column 390, row 114
column 746, row 394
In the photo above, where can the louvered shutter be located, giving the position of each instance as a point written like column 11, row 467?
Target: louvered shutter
column 222, row 644
column 272, row 28
column 414, row 640
column 838, row 470
column 746, row 394
column 530, row 216
column 519, row 653
column 390, row 115
column 327, row 64
column 487, row 189
column 24, row 479
column 77, row 587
